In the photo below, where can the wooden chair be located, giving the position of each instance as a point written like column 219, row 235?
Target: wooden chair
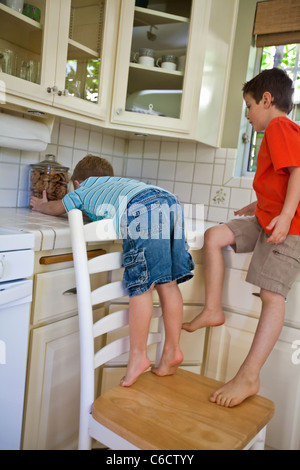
column 156, row 412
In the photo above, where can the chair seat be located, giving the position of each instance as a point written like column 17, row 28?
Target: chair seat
column 172, row 413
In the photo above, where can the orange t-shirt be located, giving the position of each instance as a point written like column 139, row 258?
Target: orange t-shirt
column 280, row 149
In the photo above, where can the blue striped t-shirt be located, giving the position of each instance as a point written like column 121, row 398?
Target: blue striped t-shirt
column 104, row 197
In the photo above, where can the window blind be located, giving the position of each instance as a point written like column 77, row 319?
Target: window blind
column 277, row 22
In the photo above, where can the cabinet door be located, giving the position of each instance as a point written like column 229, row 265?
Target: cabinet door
column 52, row 406
column 86, row 56
column 148, row 93
column 228, row 346
column 28, row 52
column 216, row 72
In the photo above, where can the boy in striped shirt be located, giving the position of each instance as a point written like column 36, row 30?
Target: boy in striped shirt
column 150, row 222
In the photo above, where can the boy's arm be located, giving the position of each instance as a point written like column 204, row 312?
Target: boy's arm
column 281, row 224
column 47, row 207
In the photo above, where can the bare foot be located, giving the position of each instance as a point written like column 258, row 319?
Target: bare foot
column 236, row 391
column 169, row 363
column 204, row 319
column 134, row 369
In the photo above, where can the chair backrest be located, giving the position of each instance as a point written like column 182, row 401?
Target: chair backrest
column 81, row 234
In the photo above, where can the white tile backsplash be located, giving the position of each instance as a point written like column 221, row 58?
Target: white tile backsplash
column 196, row 173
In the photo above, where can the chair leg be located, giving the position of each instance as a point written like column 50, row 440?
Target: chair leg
column 259, row 443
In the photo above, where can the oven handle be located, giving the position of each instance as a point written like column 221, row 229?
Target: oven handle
column 15, row 293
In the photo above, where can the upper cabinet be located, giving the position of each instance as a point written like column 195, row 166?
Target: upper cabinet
column 57, row 58
column 159, row 67
column 161, row 50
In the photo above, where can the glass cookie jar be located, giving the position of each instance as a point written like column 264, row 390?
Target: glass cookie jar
column 51, row 176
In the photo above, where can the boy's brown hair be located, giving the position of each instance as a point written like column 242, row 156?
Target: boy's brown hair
column 277, row 83
column 91, row 166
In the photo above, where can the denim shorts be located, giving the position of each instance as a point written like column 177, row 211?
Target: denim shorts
column 272, row 267
column 154, row 246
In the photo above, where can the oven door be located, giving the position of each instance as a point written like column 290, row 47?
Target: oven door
column 15, row 298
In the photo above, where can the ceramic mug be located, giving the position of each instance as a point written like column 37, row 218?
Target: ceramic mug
column 145, row 56
column 15, row 5
column 167, row 61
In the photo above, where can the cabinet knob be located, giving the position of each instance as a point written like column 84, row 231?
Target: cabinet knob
column 119, row 111
column 53, row 89
column 56, row 91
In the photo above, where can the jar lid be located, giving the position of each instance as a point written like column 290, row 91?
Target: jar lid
column 50, row 164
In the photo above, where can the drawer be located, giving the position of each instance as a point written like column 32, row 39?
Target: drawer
column 51, row 299
column 16, row 265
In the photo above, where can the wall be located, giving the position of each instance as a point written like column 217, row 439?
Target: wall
column 194, row 172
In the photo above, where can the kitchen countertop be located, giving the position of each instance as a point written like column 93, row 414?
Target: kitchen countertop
column 50, row 233
column 53, row 233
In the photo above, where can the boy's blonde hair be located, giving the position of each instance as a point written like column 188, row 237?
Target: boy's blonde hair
column 91, row 166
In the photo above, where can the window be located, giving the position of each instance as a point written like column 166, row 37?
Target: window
column 285, row 57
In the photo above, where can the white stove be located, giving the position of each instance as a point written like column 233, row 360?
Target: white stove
column 16, row 265
column 10, row 239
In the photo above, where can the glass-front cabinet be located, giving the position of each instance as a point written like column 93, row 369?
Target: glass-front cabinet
column 160, row 58
column 52, row 53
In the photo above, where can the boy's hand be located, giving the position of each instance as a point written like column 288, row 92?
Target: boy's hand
column 248, row 210
column 36, row 203
column 280, row 226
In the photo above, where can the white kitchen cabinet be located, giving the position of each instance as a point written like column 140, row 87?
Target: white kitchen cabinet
column 153, row 97
column 51, row 419
column 212, row 110
column 52, row 406
column 79, row 62
column 65, row 61
column 228, row 346
column 190, row 102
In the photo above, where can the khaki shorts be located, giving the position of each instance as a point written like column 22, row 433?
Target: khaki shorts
column 272, row 267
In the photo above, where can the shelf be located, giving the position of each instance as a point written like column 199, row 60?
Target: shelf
column 77, row 51
column 156, row 70
column 20, row 31
column 153, row 77
column 149, row 17
column 16, row 18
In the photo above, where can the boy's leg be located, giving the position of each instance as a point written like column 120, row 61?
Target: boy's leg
column 215, row 239
column 172, row 307
column 246, row 382
column 140, row 314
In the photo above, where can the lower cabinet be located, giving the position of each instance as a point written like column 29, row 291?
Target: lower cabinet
column 52, row 411
column 228, row 346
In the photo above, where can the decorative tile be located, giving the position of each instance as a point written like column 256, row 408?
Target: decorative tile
column 220, row 196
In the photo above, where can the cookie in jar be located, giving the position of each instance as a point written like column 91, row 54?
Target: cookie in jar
column 49, row 176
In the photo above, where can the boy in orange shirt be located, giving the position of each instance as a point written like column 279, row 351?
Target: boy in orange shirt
column 272, row 232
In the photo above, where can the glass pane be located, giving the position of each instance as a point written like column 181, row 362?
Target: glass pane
column 85, row 48
column 286, row 57
column 21, row 41
column 256, row 140
column 158, row 50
